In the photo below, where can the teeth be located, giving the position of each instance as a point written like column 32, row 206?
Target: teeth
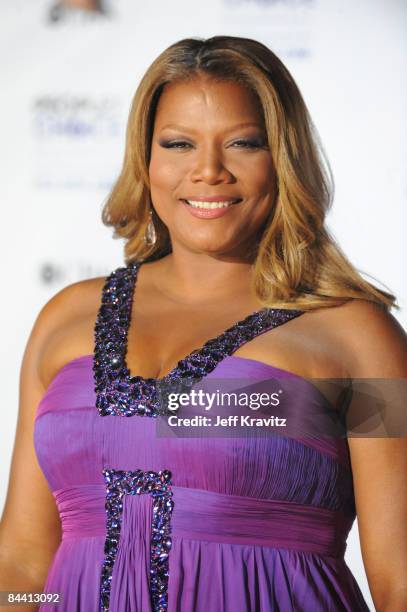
column 196, row 204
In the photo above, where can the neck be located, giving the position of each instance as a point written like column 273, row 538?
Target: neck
column 197, row 278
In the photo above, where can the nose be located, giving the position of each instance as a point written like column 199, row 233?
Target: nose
column 209, row 167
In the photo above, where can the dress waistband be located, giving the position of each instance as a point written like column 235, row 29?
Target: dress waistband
column 204, row 515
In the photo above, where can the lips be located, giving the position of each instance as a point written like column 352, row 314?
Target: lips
column 211, row 198
column 209, row 210
column 211, row 203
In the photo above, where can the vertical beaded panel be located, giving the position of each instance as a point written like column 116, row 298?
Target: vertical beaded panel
column 158, row 485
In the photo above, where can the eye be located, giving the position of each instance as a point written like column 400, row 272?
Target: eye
column 179, row 144
column 250, row 144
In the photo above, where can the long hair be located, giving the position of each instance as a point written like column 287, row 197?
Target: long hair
column 297, row 260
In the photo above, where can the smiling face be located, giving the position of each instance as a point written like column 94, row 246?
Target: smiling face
column 209, row 148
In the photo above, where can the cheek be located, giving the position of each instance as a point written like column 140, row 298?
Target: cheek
column 163, row 174
column 254, row 174
column 261, row 176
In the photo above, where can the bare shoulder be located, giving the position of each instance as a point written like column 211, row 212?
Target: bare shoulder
column 375, row 346
column 65, row 325
column 72, row 298
column 373, row 341
column 30, row 533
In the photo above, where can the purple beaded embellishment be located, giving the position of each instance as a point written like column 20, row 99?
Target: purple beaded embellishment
column 117, row 392
column 158, row 484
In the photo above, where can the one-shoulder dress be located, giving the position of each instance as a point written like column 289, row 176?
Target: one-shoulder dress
column 189, row 524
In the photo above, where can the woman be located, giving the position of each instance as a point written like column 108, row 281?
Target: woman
column 221, row 201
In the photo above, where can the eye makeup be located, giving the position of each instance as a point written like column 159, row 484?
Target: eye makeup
column 244, row 143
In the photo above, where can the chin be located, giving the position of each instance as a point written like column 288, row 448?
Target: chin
column 209, row 247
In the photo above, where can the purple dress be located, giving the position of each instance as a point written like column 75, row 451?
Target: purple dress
column 189, row 524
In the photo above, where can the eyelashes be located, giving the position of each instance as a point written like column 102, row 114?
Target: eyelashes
column 244, row 144
column 253, row 144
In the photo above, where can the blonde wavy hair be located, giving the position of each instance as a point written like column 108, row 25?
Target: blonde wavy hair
column 297, row 262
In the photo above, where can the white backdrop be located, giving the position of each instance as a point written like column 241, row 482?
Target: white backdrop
column 67, row 85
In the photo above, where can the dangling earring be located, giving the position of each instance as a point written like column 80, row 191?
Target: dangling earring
column 150, row 237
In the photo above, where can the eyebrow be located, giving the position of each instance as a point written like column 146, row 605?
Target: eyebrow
column 184, row 128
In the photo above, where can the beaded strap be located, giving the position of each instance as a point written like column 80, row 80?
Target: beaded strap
column 119, row 393
column 158, row 484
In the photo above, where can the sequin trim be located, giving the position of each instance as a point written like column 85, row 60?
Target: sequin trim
column 158, row 484
column 119, row 393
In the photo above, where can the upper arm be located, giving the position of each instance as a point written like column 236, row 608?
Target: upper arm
column 379, row 464
column 30, row 529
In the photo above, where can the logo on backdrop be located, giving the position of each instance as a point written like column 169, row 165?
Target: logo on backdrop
column 286, row 25
column 75, row 116
column 52, row 273
column 76, row 140
column 283, row 3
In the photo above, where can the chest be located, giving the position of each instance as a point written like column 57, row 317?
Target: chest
column 158, row 339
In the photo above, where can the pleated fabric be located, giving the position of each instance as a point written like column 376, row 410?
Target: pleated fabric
column 258, row 524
